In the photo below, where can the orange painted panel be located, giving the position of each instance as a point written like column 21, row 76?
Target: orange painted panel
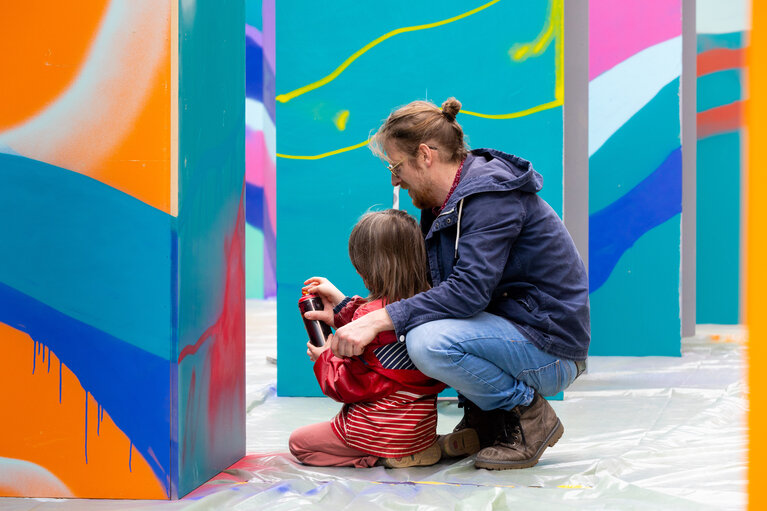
column 37, row 65
column 90, row 87
column 756, row 252
column 53, row 431
column 140, row 164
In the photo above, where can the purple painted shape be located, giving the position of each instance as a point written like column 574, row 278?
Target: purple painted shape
column 269, row 25
column 254, row 34
column 618, row 30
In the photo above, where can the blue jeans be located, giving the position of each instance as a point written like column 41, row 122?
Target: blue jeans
column 486, row 359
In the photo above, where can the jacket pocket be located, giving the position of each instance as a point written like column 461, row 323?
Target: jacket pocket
column 528, row 303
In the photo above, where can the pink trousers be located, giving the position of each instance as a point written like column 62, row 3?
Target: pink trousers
column 317, row 445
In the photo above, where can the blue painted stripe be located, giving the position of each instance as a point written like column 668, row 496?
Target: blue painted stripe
column 86, row 249
column 718, row 89
column 731, row 40
column 130, row 383
column 615, row 229
column 633, row 152
column 254, row 205
column 254, row 73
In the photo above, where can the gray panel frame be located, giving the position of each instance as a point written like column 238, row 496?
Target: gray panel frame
column 575, row 166
column 687, row 291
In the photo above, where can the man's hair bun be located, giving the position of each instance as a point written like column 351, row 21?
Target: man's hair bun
column 450, row 108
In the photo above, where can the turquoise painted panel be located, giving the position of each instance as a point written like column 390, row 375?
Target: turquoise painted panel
column 636, row 149
column 320, row 200
column 87, row 250
column 253, row 15
column 720, row 88
column 254, row 263
column 718, row 239
column 719, row 173
column 211, row 242
column 731, row 40
column 639, row 303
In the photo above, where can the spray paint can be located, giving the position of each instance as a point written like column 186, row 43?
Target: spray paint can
column 318, row 330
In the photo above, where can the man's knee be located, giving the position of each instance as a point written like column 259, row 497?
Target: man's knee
column 426, row 345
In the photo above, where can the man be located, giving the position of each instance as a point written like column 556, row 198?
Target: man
column 507, row 319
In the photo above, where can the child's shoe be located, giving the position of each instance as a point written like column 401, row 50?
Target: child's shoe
column 428, row 456
column 463, row 442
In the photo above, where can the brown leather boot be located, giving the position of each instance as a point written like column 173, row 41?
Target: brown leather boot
column 527, row 431
column 478, row 428
column 428, row 456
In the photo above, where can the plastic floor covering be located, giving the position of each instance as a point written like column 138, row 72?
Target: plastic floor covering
column 640, row 433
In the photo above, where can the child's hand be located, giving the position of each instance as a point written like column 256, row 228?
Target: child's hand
column 330, row 296
column 325, row 289
column 314, row 352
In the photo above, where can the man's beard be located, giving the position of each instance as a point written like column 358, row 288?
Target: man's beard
column 418, row 199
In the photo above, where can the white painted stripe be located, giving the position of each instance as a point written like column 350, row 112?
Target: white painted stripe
column 722, row 16
column 619, row 93
column 257, row 119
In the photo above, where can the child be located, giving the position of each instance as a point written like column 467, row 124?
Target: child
column 389, row 416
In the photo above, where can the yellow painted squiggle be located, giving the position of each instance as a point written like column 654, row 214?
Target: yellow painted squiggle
column 552, row 31
column 514, row 115
column 324, row 155
column 284, row 98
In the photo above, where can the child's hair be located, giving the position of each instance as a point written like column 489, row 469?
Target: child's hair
column 388, row 251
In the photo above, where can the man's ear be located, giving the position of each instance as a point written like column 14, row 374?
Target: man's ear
column 427, row 154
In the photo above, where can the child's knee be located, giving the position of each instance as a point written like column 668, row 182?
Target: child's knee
column 296, row 444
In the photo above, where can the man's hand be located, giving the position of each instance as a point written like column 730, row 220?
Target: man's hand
column 314, row 352
column 351, row 339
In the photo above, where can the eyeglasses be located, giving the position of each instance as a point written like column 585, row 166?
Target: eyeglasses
column 393, row 168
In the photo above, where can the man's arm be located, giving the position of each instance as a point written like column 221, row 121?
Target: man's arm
column 490, row 225
column 351, row 339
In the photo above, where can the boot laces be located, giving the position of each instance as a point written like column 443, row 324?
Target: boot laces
column 511, row 433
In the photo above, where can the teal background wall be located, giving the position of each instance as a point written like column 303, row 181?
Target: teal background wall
column 479, row 58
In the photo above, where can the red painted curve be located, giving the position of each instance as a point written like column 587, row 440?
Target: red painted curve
column 720, row 59
column 720, row 119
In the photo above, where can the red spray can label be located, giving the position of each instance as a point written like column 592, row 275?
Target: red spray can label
column 318, row 330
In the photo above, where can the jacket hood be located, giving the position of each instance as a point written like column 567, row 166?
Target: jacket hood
column 487, row 170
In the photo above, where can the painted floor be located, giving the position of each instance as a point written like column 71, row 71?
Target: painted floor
column 640, row 433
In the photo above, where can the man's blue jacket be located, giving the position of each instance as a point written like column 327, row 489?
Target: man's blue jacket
column 498, row 247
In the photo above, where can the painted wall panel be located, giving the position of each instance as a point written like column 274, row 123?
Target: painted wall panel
column 635, row 177
column 260, row 149
column 97, row 267
column 211, row 242
column 85, row 298
column 335, row 86
column 723, row 32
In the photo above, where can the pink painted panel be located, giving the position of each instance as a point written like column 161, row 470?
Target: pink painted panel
column 620, row 29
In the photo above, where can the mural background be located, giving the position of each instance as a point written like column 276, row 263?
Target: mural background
column 635, row 177
column 260, row 150
column 723, row 34
column 343, row 69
